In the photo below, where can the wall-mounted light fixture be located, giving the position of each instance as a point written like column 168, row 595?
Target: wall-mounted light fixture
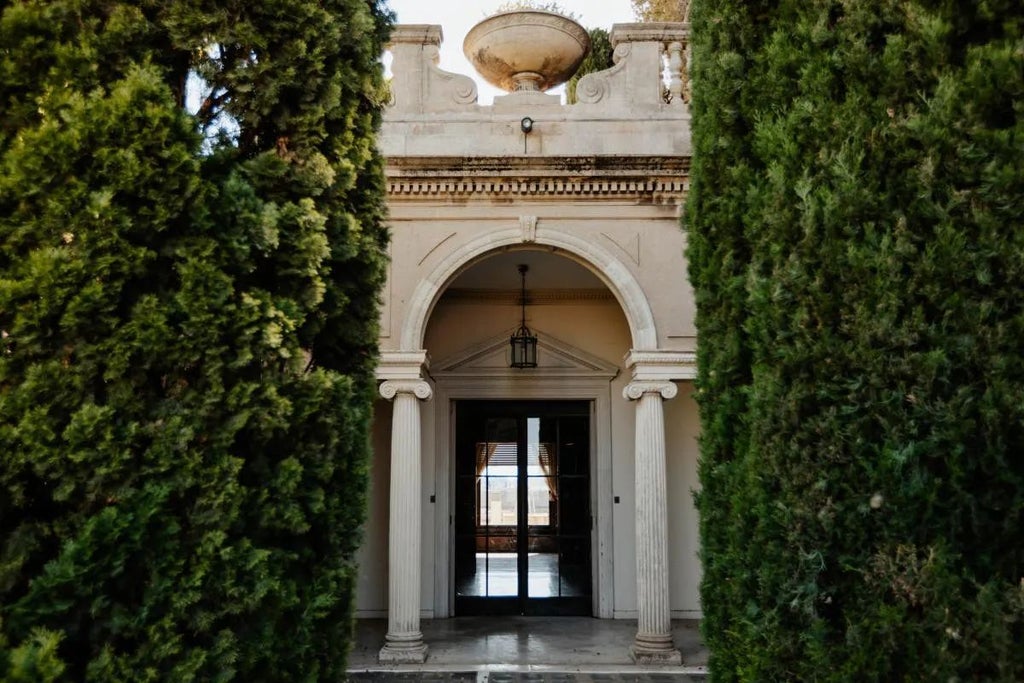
column 525, row 125
column 523, row 342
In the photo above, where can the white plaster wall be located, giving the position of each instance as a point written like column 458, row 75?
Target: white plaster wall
column 624, row 483
column 682, row 429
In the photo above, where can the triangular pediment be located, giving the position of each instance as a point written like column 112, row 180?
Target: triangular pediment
column 555, row 359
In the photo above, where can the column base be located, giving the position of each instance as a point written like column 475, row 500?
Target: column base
column 651, row 657
column 403, row 655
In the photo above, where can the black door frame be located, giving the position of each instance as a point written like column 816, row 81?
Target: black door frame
column 475, row 412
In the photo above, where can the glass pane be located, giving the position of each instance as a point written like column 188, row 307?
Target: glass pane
column 498, row 501
column 574, row 506
column 465, row 505
column 541, row 499
column 502, row 570
column 470, row 573
column 501, row 429
column 574, row 568
column 542, row 580
column 574, row 445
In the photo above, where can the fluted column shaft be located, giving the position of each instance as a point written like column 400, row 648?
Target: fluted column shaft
column 654, row 620
column 404, row 641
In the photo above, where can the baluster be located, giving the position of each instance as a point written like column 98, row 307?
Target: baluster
column 675, row 72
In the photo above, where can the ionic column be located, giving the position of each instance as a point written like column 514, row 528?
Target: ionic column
column 404, row 641
column 653, row 644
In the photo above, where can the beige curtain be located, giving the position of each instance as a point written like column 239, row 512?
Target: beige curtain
column 546, row 457
column 484, row 453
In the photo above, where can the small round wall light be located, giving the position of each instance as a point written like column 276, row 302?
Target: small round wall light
column 526, row 125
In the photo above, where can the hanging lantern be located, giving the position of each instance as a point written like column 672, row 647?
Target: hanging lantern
column 523, row 342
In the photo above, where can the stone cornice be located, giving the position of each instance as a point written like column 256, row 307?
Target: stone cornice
column 567, row 166
column 659, row 179
column 650, row 31
column 659, row 365
column 402, row 365
column 417, row 34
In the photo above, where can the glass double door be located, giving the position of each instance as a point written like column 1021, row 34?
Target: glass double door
column 522, row 508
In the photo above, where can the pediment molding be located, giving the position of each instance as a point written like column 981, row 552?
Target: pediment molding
column 557, row 360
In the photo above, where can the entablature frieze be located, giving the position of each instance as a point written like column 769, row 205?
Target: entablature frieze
column 663, row 180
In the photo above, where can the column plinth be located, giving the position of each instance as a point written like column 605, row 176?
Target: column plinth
column 404, row 641
column 653, row 643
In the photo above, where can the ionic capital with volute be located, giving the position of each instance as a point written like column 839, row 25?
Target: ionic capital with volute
column 634, row 391
column 417, row 387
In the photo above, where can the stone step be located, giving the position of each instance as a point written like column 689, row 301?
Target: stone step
column 522, row 677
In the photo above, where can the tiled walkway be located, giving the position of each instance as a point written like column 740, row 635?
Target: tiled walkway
column 521, row 649
column 509, row 677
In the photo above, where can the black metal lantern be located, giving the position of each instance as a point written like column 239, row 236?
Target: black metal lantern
column 524, row 344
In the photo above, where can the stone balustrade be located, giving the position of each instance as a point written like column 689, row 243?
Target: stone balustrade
column 630, row 109
column 636, row 81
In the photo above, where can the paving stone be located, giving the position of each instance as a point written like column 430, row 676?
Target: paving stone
column 418, row 676
column 514, row 677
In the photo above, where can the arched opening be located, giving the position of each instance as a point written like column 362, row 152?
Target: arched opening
column 598, row 261
column 564, row 300
column 526, row 453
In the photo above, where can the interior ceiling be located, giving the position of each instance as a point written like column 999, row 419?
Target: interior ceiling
column 547, row 271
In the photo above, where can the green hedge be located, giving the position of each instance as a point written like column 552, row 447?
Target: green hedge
column 856, row 230
column 188, row 316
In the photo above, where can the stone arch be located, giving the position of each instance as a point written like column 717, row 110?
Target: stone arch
column 606, row 267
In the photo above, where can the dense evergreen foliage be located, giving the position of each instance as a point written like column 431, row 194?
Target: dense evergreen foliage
column 856, row 228
column 188, row 317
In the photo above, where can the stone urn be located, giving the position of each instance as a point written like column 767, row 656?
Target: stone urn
column 526, row 50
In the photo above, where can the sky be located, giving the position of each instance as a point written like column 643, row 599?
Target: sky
column 458, row 16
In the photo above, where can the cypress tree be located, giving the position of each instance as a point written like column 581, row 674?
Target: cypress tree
column 188, row 317
column 857, row 252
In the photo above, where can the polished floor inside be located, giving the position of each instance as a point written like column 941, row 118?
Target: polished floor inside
column 497, row 575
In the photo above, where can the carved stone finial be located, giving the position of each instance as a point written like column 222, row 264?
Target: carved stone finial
column 416, row 387
column 635, row 390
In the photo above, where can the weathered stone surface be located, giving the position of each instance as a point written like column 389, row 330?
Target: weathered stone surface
column 529, row 50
